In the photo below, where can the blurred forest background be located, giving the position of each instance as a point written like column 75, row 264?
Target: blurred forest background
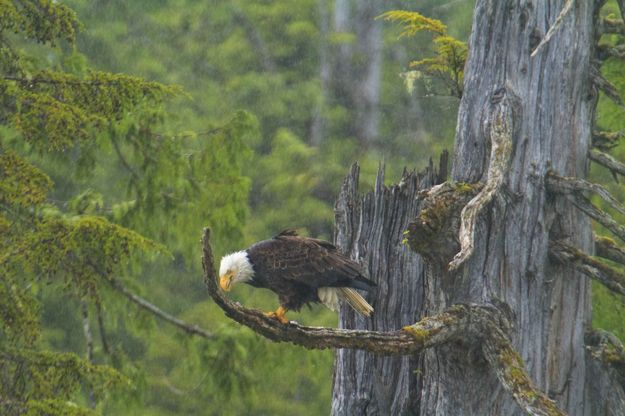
column 124, row 135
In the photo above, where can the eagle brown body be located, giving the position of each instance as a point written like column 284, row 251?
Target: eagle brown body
column 299, row 269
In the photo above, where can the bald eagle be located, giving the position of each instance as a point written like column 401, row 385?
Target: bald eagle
column 300, row 271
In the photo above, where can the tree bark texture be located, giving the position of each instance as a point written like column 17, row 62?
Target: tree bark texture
column 370, row 229
column 552, row 131
column 551, row 101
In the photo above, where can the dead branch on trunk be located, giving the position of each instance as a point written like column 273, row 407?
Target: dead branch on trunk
column 434, row 233
column 560, row 185
column 608, row 349
column 552, row 30
column 582, row 262
column 606, row 86
column 159, row 313
column 608, row 249
column 611, row 26
column 606, row 140
column 463, row 324
column 500, row 130
column 608, row 162
column 605, row 52
column 564, row 184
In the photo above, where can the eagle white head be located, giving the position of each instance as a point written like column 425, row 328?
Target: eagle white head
column 235, row 268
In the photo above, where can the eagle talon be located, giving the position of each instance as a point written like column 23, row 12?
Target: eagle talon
column 279, row 314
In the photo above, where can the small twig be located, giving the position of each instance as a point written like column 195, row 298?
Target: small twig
column 552, row 30
column 607, row 161
column 501, row 131
column 86, row 327
column 38, row 80
column 188, row 328
column 191, row 135
column 121, row 157
column 607, row 248
column 582, row 262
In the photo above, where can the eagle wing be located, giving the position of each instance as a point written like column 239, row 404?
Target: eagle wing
column 315, row 263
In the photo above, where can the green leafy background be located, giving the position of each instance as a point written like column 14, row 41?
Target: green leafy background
column 127, row 127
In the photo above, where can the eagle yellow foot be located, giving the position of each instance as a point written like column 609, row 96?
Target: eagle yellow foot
column 279, row 314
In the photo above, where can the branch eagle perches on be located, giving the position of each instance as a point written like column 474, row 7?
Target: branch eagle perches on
column 466, row 325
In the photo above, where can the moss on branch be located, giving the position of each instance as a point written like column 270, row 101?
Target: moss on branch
column 607, row 161
column 467, row 325
column 573, row 189
column 593, row 268
column 434, row 233
column 608, row 249
column 608, row 349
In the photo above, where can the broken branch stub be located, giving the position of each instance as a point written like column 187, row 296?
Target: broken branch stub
column 434, row 233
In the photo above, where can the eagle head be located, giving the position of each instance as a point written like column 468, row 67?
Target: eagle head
column 235, row 268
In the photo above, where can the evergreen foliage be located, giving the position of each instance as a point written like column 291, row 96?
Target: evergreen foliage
column 450, row 53
column 63, row 123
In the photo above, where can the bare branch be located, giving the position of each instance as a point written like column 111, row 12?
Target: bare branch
column 607, row 161
column 552, row 30
column 159, row 313
column 121, row 157
column 558, row 184
column 606, row 86
column 501, row 129
column 607, row 248
column 578, row 185
column 484, row 326
column 606, row 140
column 582, row 262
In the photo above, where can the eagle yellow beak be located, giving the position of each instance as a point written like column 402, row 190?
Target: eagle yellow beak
column 225, row 281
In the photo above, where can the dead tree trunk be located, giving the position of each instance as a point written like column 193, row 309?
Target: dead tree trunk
column 527, row 110
column 370, row 229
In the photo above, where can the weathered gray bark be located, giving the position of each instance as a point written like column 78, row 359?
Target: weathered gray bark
column 510, row 260
column 552, row 104
column 369, row 229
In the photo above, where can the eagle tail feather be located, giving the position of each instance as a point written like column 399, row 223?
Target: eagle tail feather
column 355, row 300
